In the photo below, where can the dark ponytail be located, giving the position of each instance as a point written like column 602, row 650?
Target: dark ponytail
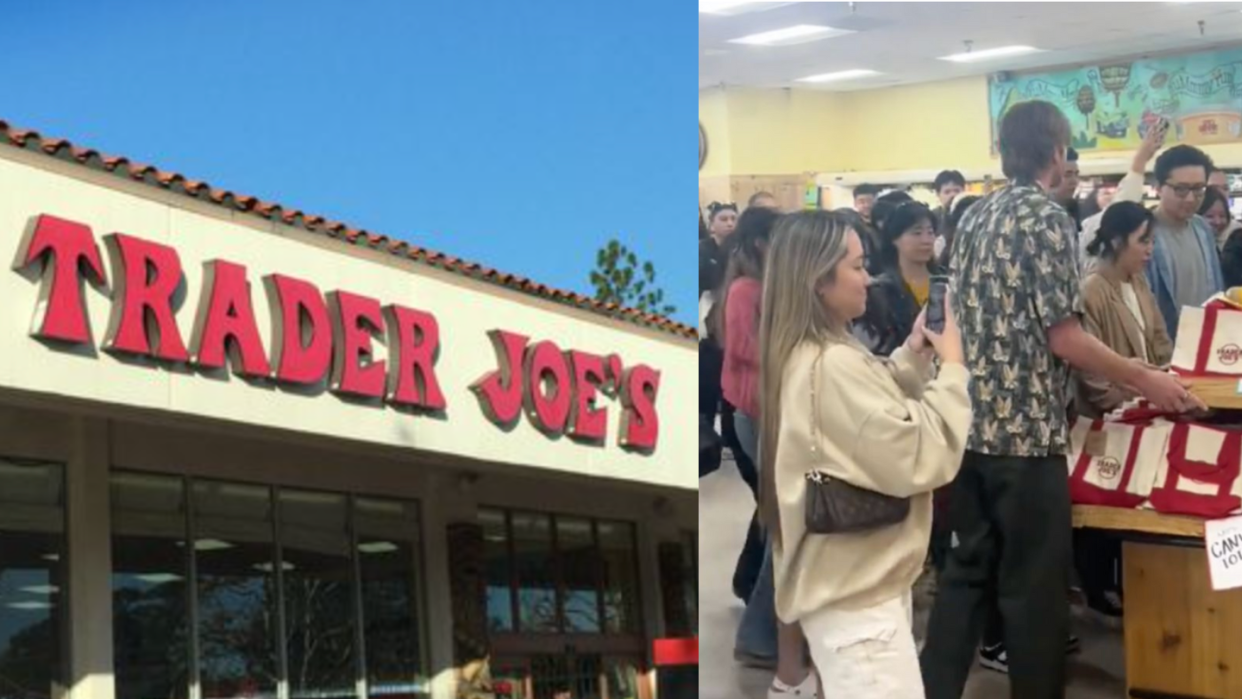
column 1120, row 220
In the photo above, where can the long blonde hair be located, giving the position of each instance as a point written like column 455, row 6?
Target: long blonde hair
column 804, row 252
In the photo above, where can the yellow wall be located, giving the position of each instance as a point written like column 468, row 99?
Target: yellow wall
column 914, row 127
column 714, row 118
column 771, row 132
column 932, row 125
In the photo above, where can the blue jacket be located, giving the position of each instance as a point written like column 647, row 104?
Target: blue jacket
column 1160, row 271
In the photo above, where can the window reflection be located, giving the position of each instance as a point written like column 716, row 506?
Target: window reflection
column 560, row 582
column 622, row 678
column 564, row 676
column 32, row 531
column 532, row 551
column 621, row 577
column 319, row 594
column 580, row 568
column 387, row 533
column 348, row 571
column 499, row 570
column 236, row 591
column 150, row 614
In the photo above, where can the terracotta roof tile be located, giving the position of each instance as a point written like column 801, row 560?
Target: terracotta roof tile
column 173, row 181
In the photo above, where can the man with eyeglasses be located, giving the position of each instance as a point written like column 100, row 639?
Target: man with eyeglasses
column 1184, row 269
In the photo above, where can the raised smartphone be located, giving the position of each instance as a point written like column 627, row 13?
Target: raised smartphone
column 935, row 304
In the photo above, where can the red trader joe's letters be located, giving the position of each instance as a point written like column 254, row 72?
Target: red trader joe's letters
column 319, row 339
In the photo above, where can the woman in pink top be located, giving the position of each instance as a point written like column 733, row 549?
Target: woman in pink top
column 738, row 321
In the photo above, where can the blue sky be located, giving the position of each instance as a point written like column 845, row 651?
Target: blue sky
column 520, row 134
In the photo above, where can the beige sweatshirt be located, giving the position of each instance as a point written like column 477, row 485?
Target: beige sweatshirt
column 882, row 426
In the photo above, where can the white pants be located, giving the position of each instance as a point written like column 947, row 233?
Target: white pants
column 866, row 653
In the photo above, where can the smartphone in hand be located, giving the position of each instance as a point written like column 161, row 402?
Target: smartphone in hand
column 1162, row 129
column 936, row 295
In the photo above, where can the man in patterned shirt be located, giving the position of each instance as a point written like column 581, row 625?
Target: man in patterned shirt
column 1015, row 273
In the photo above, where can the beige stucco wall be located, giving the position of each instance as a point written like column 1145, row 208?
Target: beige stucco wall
column 32, row 184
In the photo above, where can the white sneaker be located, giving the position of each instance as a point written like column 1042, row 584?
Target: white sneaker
column 806, row 690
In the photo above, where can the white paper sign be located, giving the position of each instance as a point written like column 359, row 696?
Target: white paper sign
column 1223, row 540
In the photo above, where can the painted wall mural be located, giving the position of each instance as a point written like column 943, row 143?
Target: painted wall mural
column 1111, row 107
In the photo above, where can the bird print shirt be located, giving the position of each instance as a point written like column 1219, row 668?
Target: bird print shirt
column 1015, row 274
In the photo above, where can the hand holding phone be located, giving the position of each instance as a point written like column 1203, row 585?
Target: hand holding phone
column 938, row 327
column 936, row 297
column 1152, row 142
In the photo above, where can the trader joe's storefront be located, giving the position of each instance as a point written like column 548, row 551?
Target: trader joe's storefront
column 240, row 459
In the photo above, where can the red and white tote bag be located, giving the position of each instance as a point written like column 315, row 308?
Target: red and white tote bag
column 1209, row 341
column 1115, row 464
column 1200, row 474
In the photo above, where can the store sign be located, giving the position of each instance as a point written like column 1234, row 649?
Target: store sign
column 558, row 391
column 317, row 339
column 1223, row 543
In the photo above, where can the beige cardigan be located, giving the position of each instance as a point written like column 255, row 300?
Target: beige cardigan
column 1106, row 316
column 882, row 426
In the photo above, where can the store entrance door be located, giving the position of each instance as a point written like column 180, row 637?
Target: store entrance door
column 568, row 675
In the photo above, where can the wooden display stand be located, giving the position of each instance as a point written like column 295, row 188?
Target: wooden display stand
column 1183, row 640
column 1217, row 392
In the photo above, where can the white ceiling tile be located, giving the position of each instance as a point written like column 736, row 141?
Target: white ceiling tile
column 904, row 39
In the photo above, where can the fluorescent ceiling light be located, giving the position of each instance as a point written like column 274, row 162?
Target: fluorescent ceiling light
column 211, row 545
column 28, row 606
column 734, row 7
column 40, row 589
column 378, row 547
column 268, row 567
column 989, row 54
column 158, row 578
column 797, row 34
column 839, row 75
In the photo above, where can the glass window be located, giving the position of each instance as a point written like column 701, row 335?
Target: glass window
column 622, row 677
column 498, row 570
column 32, row 595
column 561, row 582
column 150, row 611
column 563, row 676
column 237, row 591
column 319, row 594
column 388, row 542
column 620, row 577
column 532, row 549
column 580, row 573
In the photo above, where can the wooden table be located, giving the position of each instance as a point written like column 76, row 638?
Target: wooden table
column 1183, row 640
column 1216, row 391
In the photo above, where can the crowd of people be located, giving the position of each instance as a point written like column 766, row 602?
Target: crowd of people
column 818, row 360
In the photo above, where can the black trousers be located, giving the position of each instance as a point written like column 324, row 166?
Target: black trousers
column 1097, row 558
column 1011, row 517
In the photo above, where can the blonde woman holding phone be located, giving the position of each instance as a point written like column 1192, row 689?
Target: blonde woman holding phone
column 878, row 428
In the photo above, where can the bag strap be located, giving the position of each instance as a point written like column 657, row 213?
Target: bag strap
column 815, row 402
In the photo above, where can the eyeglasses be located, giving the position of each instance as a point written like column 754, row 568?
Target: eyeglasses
column 1184, row 190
